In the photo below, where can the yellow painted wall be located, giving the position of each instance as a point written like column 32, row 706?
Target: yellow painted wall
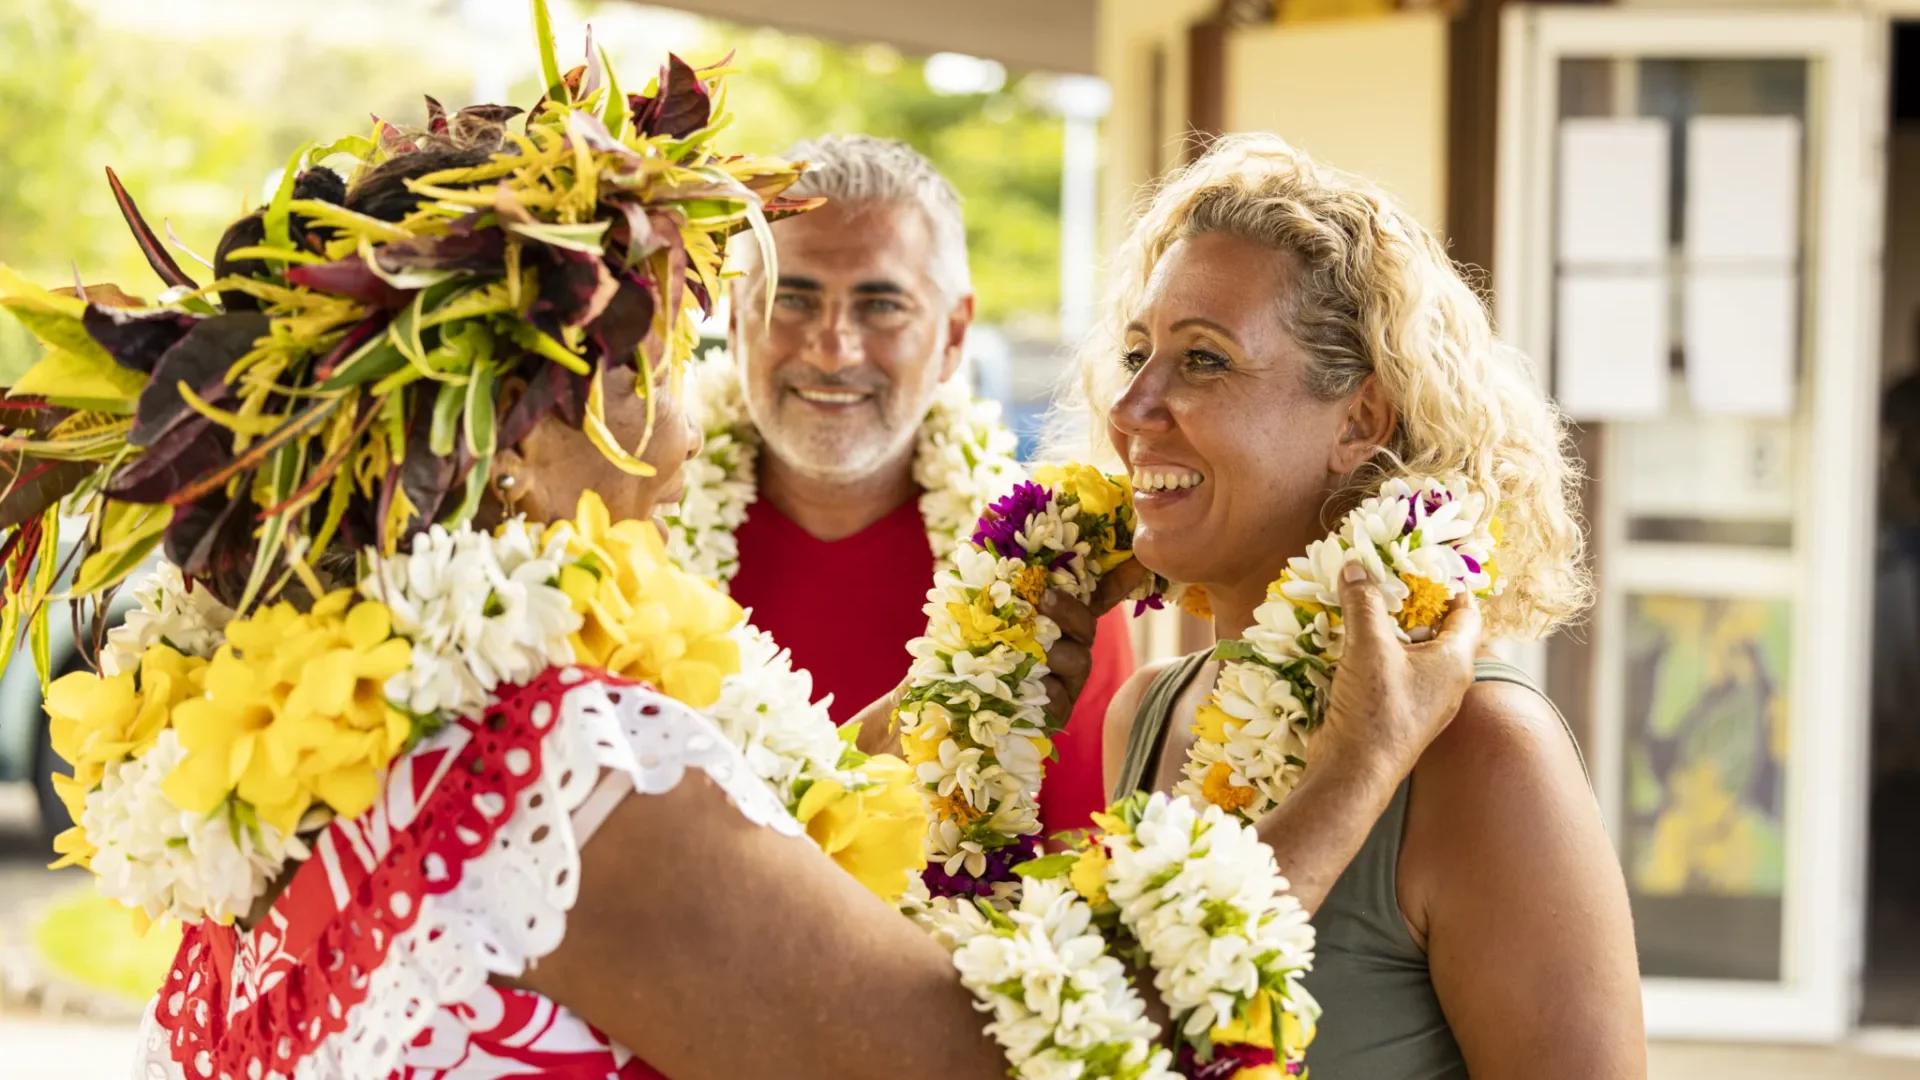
column 1368, row 96
column 1128, row 31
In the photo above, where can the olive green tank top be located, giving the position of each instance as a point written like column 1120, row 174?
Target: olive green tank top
column 1382, row 1020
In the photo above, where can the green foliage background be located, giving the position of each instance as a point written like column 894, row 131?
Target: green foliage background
column 195, row 123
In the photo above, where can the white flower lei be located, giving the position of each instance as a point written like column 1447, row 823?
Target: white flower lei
column 192, row 621
column 1195, row 895
column 767, row 710
column 963, row 457
column 1205, row 900
column 1423, row 541
column 1062, row 1006
column 167, row 862
column 480, row 610
column 973, row 721
column 1197, row 899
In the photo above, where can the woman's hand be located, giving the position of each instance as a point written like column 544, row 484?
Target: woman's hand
column 1070, row 661
column 1390, row 700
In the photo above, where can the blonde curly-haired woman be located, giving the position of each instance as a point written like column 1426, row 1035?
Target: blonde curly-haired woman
column 1279, row 336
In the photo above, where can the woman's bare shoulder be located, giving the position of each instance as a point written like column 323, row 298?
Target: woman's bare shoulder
column 1502, row 724
column 1501, row 789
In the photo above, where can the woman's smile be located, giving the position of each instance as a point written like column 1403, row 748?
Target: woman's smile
column 1159, row 487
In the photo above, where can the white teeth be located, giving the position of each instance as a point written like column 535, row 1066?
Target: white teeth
column 831, row 397
column 1152, row 480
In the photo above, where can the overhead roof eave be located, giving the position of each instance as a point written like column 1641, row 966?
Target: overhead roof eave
column 1025, row 35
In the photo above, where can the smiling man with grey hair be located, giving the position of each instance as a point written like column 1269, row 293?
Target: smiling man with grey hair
column 869, row 316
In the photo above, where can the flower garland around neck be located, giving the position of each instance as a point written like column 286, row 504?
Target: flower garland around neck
column 1184, row 892
column 1422, row 541
column 212, row 745
column 973, row 720
column 963, row 456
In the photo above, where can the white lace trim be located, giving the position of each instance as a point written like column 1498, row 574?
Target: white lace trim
column 511, row 905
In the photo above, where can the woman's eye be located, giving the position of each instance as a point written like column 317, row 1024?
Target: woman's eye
column 1204, row 360
column 1133, row 359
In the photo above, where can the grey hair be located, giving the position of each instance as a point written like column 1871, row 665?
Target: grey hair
column 853, row 169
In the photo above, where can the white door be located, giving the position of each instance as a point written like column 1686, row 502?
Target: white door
column 1688, row 245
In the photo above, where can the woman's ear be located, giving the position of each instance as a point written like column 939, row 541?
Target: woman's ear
column 506, row 484
column 1367, row 427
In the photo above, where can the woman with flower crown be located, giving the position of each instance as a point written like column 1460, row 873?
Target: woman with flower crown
column 1284, row 347
column 445, row 767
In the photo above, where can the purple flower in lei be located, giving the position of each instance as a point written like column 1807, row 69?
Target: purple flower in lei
column 1152, row 602
column 1009, row 515
column 1000, row 864
column 1425, row 505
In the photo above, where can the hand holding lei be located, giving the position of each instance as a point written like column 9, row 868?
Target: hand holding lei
column 1038, row 940
column 1422, row 541
column 973, row 720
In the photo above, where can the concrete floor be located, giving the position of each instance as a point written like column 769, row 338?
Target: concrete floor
column 38, row 1049
column 1697, row 1061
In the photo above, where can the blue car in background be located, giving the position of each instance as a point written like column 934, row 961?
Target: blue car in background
column 25, row 753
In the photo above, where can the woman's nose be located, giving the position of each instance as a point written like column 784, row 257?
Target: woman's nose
column 1142, row 405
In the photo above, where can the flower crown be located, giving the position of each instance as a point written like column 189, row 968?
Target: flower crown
column 342, row 377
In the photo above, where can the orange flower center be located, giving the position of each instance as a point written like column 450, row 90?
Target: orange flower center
column 1030, row 583
column 1424, row 605
column 1196, row 603
column 1221, row 791
column 955, row 808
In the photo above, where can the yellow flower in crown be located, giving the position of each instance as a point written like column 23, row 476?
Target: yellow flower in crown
column 642, row 617
column 295, row 713
column 96, row 721
column 981, row 627
column 877, row 833
column 1096, row 492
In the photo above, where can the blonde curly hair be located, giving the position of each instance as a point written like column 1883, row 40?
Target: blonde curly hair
column 1374, row 294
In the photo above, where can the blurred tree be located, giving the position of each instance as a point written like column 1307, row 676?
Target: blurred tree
column 194, row 120
column 193, row 123
column 1002, row 150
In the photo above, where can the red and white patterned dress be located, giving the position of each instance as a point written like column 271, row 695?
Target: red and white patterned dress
column 375, row 960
